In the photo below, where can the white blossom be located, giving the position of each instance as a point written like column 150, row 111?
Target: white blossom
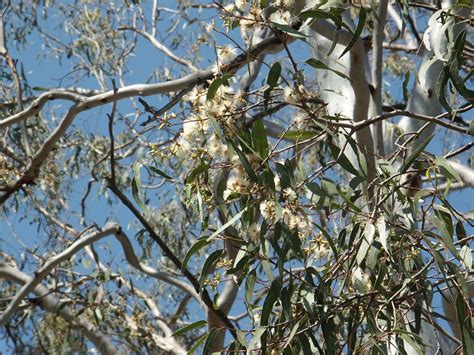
column 216, row 149
column 267, row 209
column 289, row 95
column 241, row 4
column 290, row 194
column 235, row 184
column 276, row 181
column 281, row 16
column 226, row 54
column 254, row 231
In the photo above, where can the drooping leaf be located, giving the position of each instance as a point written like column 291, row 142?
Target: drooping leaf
column 289, row 30
column 160, row 172
column 187, row 328
column 409, row 161
column 215, row 85
column 209, row 264
column 245, row 163
column 272, row 297
column 259, row 139
column 358, row 31
column 315, row 63
column 200, row 243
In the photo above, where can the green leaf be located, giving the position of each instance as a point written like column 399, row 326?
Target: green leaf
column 270, row 300
column 450, row 172
column 383, row 233
column 358, row 31
column 321, row 15
column 289, row 30
column 259, row 139
column 215, row 85
column 320, row 65
column 194, row 173
column 441, row 84
column 209, row 341
column 405, row 86
column 209, row 264
column 160, row 172
column 299, row 135
column 227, row 224
column 466, row 257
column 465, row 323
column 187, row 328
column 409, row 161
column 461, row 233
column 343, row 160
column 471, row 128
column 241, row 338
column 368, row 239
column 136, row 189
column 197, row 344
column 244, row 161
column 200, row 243
column 274, row 75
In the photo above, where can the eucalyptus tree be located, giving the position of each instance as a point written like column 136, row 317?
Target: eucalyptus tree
column 264, row 176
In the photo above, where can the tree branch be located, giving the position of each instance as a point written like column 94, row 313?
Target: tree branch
column 52, row 304
column 44, row 271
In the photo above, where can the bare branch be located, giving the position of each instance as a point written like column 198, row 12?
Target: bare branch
column 161, row 47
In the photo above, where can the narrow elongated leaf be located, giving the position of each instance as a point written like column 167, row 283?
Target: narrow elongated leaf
column 289, row 30
column 440, row 161
column 259, row 139
column 465, row 323
column 405, row 86
column 300, row 135
column 245, row 162
column 227, row 224
column 274, row 75
column 383, row 233
column 358, row 31
column 209, row 341
column 367, row 241
column 160, row 172
column 270, row 300
column 197, row 344
column 187, row 328
column 215, row 85
column 319, row 14
column 320, row 65
column 209, row 264
column 200, row 243
column 409, row 161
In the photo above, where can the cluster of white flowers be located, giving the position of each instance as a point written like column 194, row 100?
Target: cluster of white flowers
column 317, row 248
column 235, row 184
column 241, row 4
column 284, row 3
column 216, row 149
column 276, row 181
column 268, row 210
column 289, row 95
column 301, row 120
column 292, row 220
column 281, row 17
column 290, row 195
column 254, row 231
column 226, row 54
